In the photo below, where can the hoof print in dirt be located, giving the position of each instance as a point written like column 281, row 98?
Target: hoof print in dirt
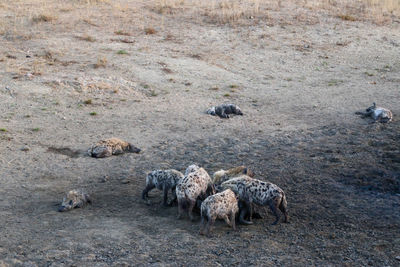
column 378, row 114
column 224, row 110
column 76, row 198
column 111, row 146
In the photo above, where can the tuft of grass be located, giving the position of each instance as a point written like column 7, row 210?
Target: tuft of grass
column 214, row 88
column 347, row 17
column 35, row 129
column 122, row 52
column 226, row 95
column 334, row 82
column 101, row 63
column 3, row 130
column 88, row 102
column 149, row 30
column 93, row 113
column 121, row 32
column 153, row 93
column 232, row 86
column 368, row 73
column 86, row 38
column 43, row 18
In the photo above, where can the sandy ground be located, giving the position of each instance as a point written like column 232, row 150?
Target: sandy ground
column 90, row 71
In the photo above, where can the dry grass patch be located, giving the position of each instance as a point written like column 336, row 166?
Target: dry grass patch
column 86, row 38
column 43, row 18
column 101, row 63
column 121, row 32
column 150, row 30
column 347, row 17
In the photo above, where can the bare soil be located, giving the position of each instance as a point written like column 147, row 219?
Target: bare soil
column 146, row 72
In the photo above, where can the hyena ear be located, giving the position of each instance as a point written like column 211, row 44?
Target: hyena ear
column 88, row 198
column 374, row 104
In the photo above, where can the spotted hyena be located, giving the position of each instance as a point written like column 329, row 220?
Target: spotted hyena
column 377, row 114
column 223, row 175
column 196, row 184
column 252, row 191
column 111, row 146
column 222, row 205
column 191, row 168
column 224, row 110
column 162, row 180
column 77, row 198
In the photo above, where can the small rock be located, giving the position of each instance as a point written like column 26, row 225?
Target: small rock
column 125, row 181
column 398, row 258
column 25, row 148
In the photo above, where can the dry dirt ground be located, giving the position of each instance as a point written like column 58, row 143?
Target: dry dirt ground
column 73, row 72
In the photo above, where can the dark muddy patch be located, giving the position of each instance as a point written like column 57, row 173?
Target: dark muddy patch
column 66, row 151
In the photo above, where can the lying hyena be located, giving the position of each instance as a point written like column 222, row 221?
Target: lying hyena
column 253, row 191
column 224, row 110
column 377, row 113
column 111, row 146
column 75, row 199
column 196, row 184
column 222, row 205
column 223, row 175
column 163, row 180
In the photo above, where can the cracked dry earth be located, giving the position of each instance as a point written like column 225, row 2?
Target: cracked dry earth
column 341, row 174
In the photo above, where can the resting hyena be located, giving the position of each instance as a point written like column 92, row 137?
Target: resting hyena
column 77, row 198
column 253, row 191
column 377, row 113
column 223, row 175
column 162, row 180
column 224, row 110
column 196, row 184
column 222, row 205
column 111, row 146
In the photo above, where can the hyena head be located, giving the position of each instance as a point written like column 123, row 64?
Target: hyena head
column 131, row 148
column 371, row 108
column 236, row 110
column 191, row 168
column 74, row 199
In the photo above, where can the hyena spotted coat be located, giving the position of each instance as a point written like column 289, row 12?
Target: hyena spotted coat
column 222, row 205
column 111, row 146
column 163, row 180
column 378, row 114
column 196, row 184
column 253, row 191
column 76, row 198
column 223, row 175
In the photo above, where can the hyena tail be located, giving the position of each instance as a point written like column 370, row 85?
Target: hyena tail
column 283, row 207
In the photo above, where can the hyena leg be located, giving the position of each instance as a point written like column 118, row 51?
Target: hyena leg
column 226, row 219
column 283, row 208
column 173, row 192
column 165, row 200
column 202, row 224
column 180, row 209
column 192, row 203
column 274, row 208
column 244, row 211
column 209, row 226
column 233, row 223
column 146, row 191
